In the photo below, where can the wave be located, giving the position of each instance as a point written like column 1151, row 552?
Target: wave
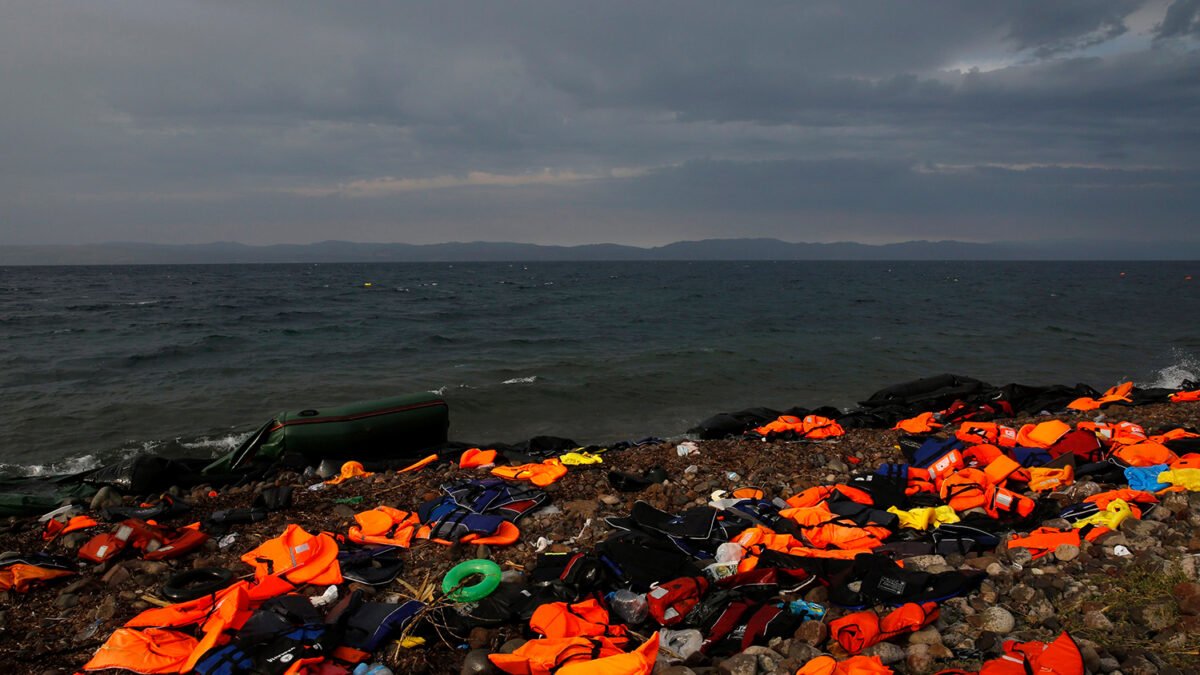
column 1186, row 367
column 66, row 466
column 216, row 446
column 521, row 380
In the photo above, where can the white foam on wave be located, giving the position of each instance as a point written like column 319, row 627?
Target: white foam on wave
column 440, row 391
column 1185, row 367
column 67, row 466
column 217, row 446
column 521, row 380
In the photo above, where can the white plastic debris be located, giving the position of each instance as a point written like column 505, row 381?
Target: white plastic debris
column 45, row 517
column 687, row 448
column 316, row 486
column 542, row 544
column 583, row 529
column 1120, row 550
column 227, row 540
column 329, row 596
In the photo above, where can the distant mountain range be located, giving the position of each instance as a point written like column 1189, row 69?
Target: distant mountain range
column 479, row 251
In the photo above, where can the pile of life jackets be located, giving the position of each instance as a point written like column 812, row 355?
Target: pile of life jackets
column 724, row 572
column 790, row 428
column 470, row 512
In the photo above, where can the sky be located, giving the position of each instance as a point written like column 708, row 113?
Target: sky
column 568, row 122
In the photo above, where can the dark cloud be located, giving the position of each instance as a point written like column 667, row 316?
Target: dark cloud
column 268, row 120
column 1182, row 19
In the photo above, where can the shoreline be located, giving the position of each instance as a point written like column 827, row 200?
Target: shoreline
column 51, row 619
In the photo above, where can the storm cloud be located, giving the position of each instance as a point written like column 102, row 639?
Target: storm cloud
column 563, row 123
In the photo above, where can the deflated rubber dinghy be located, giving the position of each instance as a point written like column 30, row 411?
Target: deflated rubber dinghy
column 388, row 428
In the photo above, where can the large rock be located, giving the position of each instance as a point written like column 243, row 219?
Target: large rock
column 1097, row 621
column 917, row 658
column 887, row 652
column 739, row 664
column 477, row 663
column 768, row 659
column 812, row 632
column 921, row 563
column 1066, row 552
column 926, row 636
column 997, row 620
column 106, row 496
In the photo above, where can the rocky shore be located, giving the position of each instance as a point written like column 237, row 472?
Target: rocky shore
column 1131, row 599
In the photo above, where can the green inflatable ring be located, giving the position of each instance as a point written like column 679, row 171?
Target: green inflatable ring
column 491, row 580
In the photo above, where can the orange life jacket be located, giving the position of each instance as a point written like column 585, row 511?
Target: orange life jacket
column 192, row 612
column 298, row 557
column 1146, row 453
column 1128, row 495
column 812, row 426
column 153, row 650
column 965, row 489
column 757, row 539
column 229, row 613
column 549, row 656
column 20, row 577
column 1042, row 435
column 816, row 426
column 474, row 457
column 581, row 619
column 982, row 454
column 1118, row 393
column 999, row 469
column 1044, row 540
column 855, row 665
column 637, row 662
column 1042, row 479
column 941, row 468
column 419, row 464
column 349, row 470
column 384, row 525
column 1122, row 433
column 1173, row 435
column 1188, row 461
column 55, row 527
column 987, row 432
column 814, row 495
column 921, row 424
column 542, row 474
column 1004, row 503
column 1060, row 657
column 1186, row 396
column 855, row 632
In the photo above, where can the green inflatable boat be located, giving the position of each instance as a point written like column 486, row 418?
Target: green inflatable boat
column 388, row 428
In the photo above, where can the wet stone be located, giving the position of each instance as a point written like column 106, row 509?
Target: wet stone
column 739, row 664
column 887, row 652
column 1138, row 665
column 926, row 636
column 1097, row 620
column 812, row 632
column 66, row 601
column 997, row 620
column 1066, row 552
column 106, row 496
column 917, row 658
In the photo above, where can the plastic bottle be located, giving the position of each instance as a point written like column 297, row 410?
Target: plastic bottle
column 730, row 552
column 732, row 475
column 629, row 606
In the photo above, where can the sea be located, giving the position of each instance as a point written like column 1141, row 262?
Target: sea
column 101, row 362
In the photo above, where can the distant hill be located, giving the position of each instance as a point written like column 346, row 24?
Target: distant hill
column 479, row 251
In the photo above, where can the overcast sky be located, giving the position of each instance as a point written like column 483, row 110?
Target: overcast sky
column 567, row 122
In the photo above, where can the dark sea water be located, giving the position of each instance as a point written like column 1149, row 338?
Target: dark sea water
column 99, row 362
